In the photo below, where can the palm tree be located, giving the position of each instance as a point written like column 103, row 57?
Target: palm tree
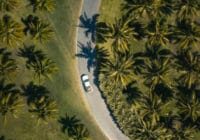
column 101, row 32
column 10, row 100
column 180, row 130
column 158, row 32
column 11, row 32
column 151, row 8
column 189, row 108
column 146, row 131
column 118, row 72
column 37, row 62
column 137, row 7
column 151, row 107
column 155, row 52
column 156, row 72
column 187, row 34
column 7, row 64
column 10, row 104
column 80, row 133
column 182, row 133
column 43, row 109
column 42, row 32
column 43, row 5
column 160, row 8
column 122, row 33
column 102, row 55
column 187, row 9
column 43, row 68
column 8, row 5
column 187, row 63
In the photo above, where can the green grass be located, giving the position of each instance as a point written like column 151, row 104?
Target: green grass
column 64, row 87
column 110, row 10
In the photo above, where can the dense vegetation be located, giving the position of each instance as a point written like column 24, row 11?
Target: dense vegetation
column 20, row 53
column 147, row 67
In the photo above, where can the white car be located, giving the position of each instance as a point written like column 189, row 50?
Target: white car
column 86, row 83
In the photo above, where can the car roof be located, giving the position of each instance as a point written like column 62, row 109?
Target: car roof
column 85, row 77
column 87, row 83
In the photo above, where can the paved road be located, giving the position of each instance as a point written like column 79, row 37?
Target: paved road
column 96, row 103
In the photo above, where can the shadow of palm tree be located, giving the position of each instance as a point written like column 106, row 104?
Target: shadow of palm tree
column 163, row 91
column 2, row 138
column 185, row 91
column 89, row 53
column 31, row 54
column 93, row 55
column 68, row 123
column 29, row 22
column 96, row 31
column 7, row 88
column 132, row 92
column 89, row 24
column 73, row 127
column 5, row 53
column 33, row 92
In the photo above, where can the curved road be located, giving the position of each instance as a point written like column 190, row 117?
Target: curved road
column 96, row 103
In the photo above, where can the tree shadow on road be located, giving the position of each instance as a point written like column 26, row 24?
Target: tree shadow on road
column 97, row 31
column 89, row 24
column 94, row 55
column 88, row 52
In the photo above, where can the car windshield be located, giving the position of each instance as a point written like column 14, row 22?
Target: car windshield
column 85, row 77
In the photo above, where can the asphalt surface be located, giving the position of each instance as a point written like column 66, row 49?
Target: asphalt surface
column 96, row 103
